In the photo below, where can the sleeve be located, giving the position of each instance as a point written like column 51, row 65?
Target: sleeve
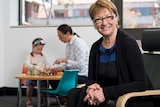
column 93, row 63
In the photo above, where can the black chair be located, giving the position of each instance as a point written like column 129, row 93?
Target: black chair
column 151, row 55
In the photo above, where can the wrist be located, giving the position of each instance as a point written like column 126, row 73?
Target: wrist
column 66, row 60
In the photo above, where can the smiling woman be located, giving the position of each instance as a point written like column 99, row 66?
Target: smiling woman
column 112, row 70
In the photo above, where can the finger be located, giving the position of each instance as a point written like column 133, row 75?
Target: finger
column 86, row 98
column 54, row 63
column 95, row 102
column 90, row 101
column 97, row 86
column 99, row 96
column 91, row 95
column 92, row 87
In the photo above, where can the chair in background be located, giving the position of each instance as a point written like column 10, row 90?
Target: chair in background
column 151, row 46
column 24, row 71
column 68, row 81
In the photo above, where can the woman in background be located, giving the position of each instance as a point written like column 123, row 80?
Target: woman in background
column 76, row 52
column 76, row 55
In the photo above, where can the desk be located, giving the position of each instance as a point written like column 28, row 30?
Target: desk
column 38, row 78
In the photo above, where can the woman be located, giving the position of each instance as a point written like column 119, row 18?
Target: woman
column 115, row 64
column 77, row 54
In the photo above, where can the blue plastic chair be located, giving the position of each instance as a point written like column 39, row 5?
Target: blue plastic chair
column 68, row 81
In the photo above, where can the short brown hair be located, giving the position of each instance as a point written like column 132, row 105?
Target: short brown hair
column 100, row 4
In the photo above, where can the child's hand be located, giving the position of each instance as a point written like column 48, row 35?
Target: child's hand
column 41, row 69
column 47, row 68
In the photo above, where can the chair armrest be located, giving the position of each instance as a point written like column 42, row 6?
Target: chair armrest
column 124, row 98
column 81, row 85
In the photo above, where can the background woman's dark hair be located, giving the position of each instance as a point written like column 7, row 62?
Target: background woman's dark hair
column 64, row 28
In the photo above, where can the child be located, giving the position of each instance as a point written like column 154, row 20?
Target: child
column 37, row 63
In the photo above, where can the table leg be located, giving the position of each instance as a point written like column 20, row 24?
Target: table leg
column 19, row 94
column 47, row 99
column 38, row 94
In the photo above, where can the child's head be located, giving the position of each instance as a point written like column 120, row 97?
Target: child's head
column 37, row 46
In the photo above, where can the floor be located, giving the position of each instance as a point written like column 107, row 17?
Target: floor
column 11, row 101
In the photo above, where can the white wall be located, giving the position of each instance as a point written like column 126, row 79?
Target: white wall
column 15, row 42
column 1, row 42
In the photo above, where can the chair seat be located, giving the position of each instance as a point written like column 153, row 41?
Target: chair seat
column 49, row 91
column 68, row 81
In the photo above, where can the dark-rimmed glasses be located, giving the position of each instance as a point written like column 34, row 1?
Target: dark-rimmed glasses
column 106, row 18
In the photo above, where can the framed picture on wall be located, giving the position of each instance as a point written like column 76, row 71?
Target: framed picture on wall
column 54, row 12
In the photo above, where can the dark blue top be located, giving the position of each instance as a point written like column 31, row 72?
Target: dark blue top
column 107, row 74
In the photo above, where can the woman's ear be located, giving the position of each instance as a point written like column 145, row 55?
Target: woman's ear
column 68, row 34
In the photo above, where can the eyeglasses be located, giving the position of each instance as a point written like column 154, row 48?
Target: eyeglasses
column 106, row 18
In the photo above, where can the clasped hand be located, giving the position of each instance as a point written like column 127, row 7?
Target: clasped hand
column 94, row 95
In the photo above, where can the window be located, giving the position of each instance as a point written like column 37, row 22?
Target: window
column 86, row 14
column 35, row 8
column 135, row 15
column 55, row 12
column 141, row 13
column 59, row 13
column 77, row 13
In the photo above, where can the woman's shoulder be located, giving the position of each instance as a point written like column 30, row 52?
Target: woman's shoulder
column 80, row 41
column 125, row 38
column 124, row 35
column 98, row 42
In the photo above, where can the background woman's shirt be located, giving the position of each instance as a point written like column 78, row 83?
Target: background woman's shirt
column 77, row 52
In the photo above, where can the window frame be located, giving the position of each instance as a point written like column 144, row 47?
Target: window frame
column 136, row 32
column 82, row 22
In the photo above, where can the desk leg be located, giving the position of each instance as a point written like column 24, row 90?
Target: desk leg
column 19, row 99
column 38, row 94
column 47, row 99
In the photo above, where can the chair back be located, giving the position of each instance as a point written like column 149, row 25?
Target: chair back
column 68, row 81
column 151, row 55
column 24, row 71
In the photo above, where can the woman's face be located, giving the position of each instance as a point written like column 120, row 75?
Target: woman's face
column 38, row 49
column 63, row 37
column 105, row 22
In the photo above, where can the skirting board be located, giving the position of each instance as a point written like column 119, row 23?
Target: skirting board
column 13, row 91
